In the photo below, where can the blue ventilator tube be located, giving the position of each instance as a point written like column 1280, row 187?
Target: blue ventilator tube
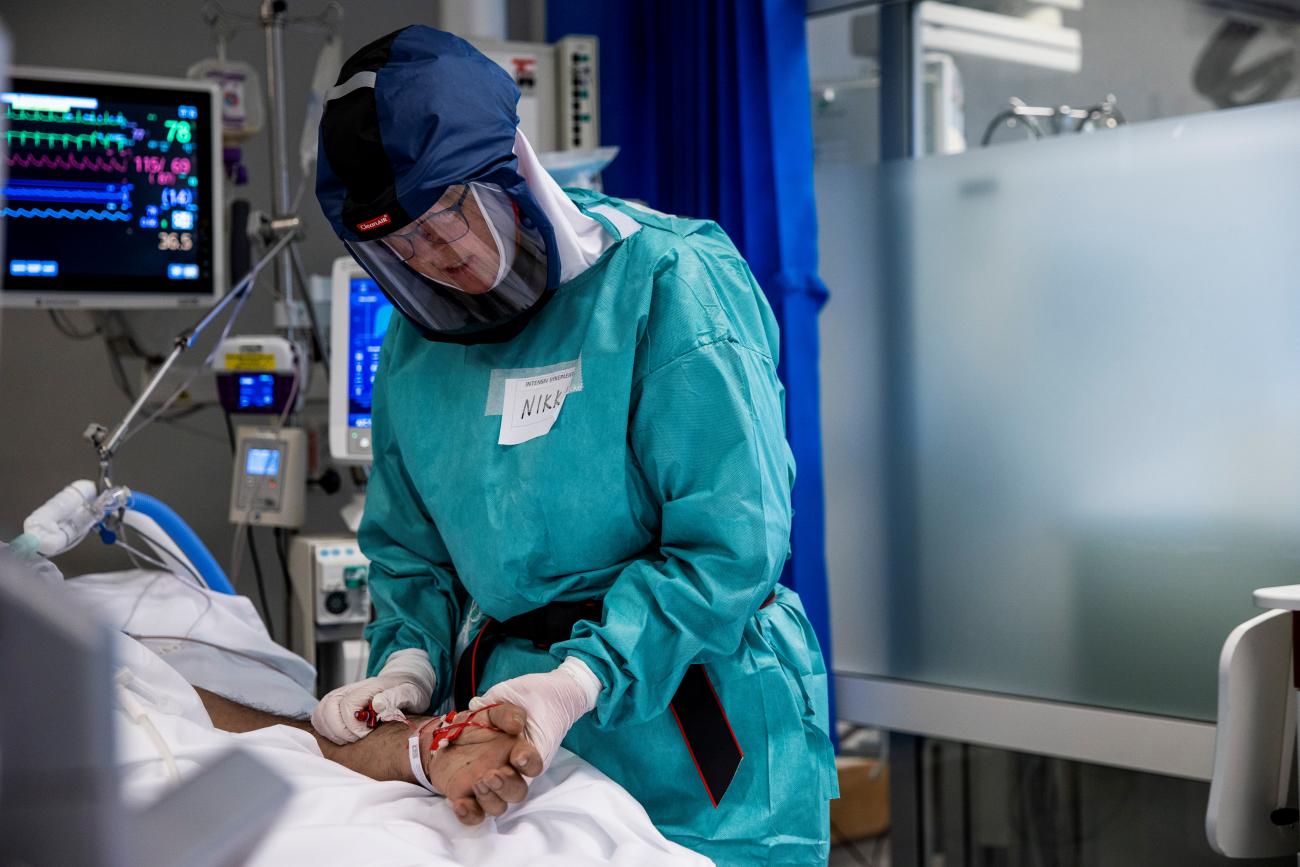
column 185, row 538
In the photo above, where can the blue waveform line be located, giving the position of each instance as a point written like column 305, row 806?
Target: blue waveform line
column 69, row 185
column 69, row 191
column 46, row 194
column 75, row 214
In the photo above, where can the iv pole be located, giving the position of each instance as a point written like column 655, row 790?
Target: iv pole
column 281, row 232
column 273, row 15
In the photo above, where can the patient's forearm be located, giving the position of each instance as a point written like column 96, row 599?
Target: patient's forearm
column 381, row 755
column 231, row 716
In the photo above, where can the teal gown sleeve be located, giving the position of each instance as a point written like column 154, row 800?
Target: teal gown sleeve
column 707, row 430
column 413, row 586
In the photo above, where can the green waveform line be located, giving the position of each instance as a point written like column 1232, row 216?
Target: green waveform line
column 68, row 140
column 78, row 117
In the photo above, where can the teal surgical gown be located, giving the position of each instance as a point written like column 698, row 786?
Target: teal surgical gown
column 663, row 486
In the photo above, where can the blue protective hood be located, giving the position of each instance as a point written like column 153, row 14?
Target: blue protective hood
column 412, row 113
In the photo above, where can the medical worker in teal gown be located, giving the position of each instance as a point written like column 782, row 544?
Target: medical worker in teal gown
column 580, row 499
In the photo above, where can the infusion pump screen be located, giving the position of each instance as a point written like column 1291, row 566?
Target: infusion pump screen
column 109, row 189
column 262, row 462
column 368, row 316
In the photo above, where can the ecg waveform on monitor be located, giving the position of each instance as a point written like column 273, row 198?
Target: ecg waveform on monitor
column 56, row 194
column 70, row 162
column 64, row 214
column 66, row 140
column 85, row 118
column 68, row 192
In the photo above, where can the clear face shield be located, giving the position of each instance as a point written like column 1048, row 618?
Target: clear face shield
column 469, row 263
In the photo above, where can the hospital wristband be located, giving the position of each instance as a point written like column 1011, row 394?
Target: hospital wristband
column 417, row 766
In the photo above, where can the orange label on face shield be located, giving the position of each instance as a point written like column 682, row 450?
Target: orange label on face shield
column 381, row 220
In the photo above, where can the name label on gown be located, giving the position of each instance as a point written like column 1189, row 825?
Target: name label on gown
column 532, row 404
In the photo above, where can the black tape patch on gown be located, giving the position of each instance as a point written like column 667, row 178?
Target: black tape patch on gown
column 695, row 706
column 707, row 732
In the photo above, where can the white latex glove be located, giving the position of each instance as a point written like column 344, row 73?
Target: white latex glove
column 404, row 683
column 554, row 700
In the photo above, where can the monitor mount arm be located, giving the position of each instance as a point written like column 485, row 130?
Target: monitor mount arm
column 279, row 233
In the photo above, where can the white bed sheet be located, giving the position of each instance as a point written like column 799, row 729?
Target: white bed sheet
column 574, row 815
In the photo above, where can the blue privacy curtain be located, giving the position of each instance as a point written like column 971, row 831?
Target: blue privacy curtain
column 709, row 102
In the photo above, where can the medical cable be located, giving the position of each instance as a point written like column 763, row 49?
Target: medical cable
column 137, row 714
column 258, row 574
column 449, row 729
column 191, row 640
column 244, row 533
column 200, row 369
column 120, row 341
column 237, row 552
column 118, row 373
column 176, row 541
column 65, row 327
column 123, row 336
column 297, row 196
column 190, row 629
column 184, row 386
column 185, row 413
column 166, row 573
column 280, row 547
column 293, row 391
column 136, row 555
column 166, row 567
column 317, row 338
column 130, row 555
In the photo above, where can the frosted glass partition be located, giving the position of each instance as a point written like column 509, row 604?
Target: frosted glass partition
column 1092, row 453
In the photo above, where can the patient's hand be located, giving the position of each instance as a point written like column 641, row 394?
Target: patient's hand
column 479, row 772
column 482, row 771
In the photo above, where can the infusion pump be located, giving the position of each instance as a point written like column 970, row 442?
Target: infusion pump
column 330, row 578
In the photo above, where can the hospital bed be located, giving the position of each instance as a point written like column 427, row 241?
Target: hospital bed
column 180, row 626
column 186, row 636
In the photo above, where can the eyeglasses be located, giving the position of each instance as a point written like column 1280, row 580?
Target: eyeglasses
column 444, row 226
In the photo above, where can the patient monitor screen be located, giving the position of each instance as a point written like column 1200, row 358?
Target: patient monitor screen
column 368, row 315
column 110, row 192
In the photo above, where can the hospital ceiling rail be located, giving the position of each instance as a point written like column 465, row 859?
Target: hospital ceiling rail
column 60, row 799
